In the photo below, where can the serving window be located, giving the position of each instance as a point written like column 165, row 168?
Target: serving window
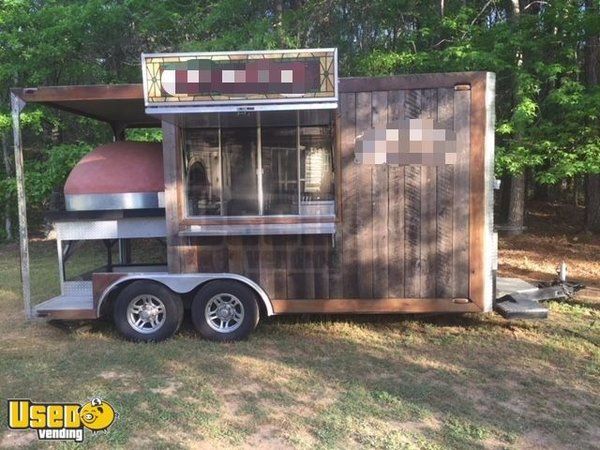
column 272, row 164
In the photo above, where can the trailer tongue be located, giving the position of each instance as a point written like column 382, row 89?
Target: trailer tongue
column 524, row 301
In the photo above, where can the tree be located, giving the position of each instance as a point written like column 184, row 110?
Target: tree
column 592, row 76
column 547, row 104
column 516, row 203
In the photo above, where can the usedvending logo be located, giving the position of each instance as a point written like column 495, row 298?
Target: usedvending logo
column 60, row 421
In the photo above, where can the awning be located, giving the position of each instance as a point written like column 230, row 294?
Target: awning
column 120, row 105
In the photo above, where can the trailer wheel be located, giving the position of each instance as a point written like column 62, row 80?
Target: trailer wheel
column 225, row 311
column 146, row 311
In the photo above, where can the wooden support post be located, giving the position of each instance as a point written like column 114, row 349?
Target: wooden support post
column 17, row 105
column 481, row 177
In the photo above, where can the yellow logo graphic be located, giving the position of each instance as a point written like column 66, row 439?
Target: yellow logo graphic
column 60, row 421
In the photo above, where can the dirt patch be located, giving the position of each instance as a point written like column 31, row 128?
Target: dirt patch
column 127, row 381
column 18, row 439
column 553, row 236
column 112, row 375
column 169, row 390
column 540, row 440
column 266, row 437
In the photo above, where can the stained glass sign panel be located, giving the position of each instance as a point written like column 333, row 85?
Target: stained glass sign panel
column 275, row 76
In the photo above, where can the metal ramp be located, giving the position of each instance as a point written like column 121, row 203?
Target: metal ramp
column 506, row 286
column 513, row 302
column 76, row 302
column 518, row 299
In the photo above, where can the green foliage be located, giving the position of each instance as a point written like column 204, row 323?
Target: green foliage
column 31, row 120
column 45, row 175
column 144, row 134
column 548, row 117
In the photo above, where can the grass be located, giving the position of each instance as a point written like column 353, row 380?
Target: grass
column 473, row 381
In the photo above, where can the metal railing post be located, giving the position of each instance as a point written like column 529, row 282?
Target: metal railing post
column 17, row 105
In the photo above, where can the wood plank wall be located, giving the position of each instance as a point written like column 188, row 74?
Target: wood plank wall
column 403, row 231
column 411, row 227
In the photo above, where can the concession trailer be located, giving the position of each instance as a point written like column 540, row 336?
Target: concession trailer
column 278, row 189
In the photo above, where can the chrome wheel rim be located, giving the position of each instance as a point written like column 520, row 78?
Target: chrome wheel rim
column 224, row 313
column 146, row 313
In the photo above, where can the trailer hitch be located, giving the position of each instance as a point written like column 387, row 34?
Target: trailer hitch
column 525, row 304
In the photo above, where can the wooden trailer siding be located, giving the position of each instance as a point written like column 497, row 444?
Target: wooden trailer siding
column 482, row 115
column 349, row 204
column 444, row 283
column 405, row 220
column 409, row 238
column 364, row 198
column 428, row 207
column 372, row 306
column 396, row 228
column 294, row 267
column 380, row 192
column 412, row 210
column 461, row 228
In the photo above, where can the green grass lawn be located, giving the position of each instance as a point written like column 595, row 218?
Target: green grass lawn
column 475, row 381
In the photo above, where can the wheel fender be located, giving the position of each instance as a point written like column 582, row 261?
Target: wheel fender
column 182, row 283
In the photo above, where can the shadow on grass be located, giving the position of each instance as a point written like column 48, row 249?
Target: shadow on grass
column 465, row 379
column 465, row 320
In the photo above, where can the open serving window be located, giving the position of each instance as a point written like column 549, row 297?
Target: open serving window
column 255, row 138
column 260, row 164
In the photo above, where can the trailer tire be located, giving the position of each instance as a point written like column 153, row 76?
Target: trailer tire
column 225, row 311
column 146, row 311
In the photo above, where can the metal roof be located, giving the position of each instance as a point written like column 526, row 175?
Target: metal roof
column 116, row 104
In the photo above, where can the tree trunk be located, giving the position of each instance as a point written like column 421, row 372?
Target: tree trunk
column 592, row 75
column 504, row 202
column 578, row 187
column 516, row 205
column 592, row 51
column 7, row 202
column 592, row 203
column 541, row 192
column 279, row 23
